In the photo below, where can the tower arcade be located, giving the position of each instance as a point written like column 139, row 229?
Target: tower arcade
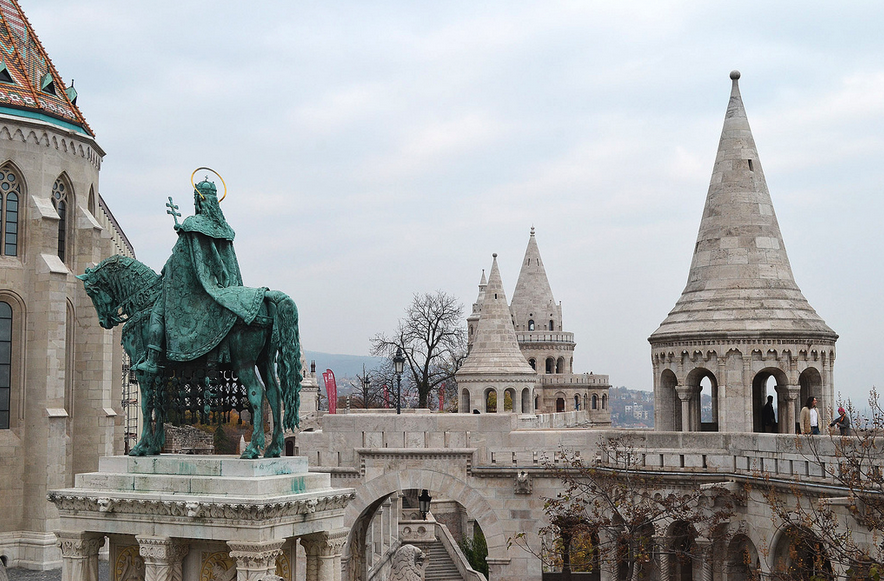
column 741, row 319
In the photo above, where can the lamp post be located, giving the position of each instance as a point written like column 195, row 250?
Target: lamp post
column 366, row 385
column 423, row 503
column 398, row 366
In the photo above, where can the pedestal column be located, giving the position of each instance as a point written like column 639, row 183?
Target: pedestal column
column 324, row 555
column 79, row 555
column 787, row 411
column 255, row 561
column 705, row 546
column 660, row 546
column 162, row 557
column 684, row 394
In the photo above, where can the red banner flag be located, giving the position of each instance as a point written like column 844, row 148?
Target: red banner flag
column 442, row 398
column 331, row 389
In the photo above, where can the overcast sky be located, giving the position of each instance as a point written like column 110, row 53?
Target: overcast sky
column 373, row 150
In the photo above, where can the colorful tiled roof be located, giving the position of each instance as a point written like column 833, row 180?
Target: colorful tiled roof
column 29, row 84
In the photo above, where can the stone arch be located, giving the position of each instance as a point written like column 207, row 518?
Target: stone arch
column 12, row 207
column 550, row 365
column 526, row 401
column 372, row 494
column 560, row 365
column 693, row 382
column 680, row 540
column 514, row 400
column 64, row 201
column 604, row 401
column 811, row 382
column 669, row 412
column 759, row 392
column 742, row 562
column 464, row 406
column 799, row 552
column 486, row 400
column 595, row 401
column 560, row 401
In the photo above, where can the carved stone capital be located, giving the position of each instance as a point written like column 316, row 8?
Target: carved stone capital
column 255, row 561
column 78, row 544
column 161, row 550
column 325, row 544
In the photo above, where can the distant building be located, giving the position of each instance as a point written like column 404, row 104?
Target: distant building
column 60, row 373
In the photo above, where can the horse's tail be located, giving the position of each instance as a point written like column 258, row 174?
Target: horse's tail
column 287, row 343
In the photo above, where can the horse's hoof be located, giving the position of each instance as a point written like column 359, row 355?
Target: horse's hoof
column 249, row 455
column 138, row 451
column 272, row 452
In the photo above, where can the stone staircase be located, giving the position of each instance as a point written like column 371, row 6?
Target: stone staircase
column 441, row 567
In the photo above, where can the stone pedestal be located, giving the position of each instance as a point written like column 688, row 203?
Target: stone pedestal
column 201, row 517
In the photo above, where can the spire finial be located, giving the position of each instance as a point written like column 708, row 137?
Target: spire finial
column 735, row 75
column 494, row 255
column 532, row 230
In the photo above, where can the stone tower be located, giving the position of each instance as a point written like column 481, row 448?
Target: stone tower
column 60, row 372
column 537, row 319
column 473, row 319
column 741, row 318
column 495, row 364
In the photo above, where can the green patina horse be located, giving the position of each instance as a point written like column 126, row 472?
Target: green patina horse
column 124, row 290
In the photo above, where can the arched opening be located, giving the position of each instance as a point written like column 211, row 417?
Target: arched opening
column 560, row 365
column 530, row 324
column 289, row 448
column 800, row 555
column 63, row 201
column 526, row 401
column 552, row 325
column 533, row 363
column 811, row 383
column 703, row 395
column 560, row 404
column 490, row 401
column 576, row 402
column 463, row 405
column 595, row 402
column 11, row 186
column 509, row 400
column 742, row 562
column 681, row 562
column 550, row 365
column 669, row 415
column 604, row 401
column 536, row 402
column 764, row 384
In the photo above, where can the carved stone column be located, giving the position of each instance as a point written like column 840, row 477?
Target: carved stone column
column 255, row 561
column 705, row 546
column 79, row 555
column 608, row 557
column 162, row 557
column 684, row 394
column 324, row 555
column 789, row 395
column 662, row 556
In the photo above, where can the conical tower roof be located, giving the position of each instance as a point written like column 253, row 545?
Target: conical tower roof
column 740, row 282
column 495, row 350
column 29, row 84
column 533, row 293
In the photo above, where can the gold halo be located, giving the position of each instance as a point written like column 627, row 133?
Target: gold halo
column 214, row 172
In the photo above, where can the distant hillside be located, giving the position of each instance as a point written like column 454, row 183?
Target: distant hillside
column 342, row 365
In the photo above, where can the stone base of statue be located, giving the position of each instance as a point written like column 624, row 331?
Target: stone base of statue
column 207, row 518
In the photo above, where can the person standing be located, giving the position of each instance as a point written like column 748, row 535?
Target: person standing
column 810, row 417
column 768, row 417
column 842, row 421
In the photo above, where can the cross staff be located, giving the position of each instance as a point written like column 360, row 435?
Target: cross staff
column 172, row 210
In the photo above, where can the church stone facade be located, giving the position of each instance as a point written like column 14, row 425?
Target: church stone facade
column 741, row 318
column 60, row 373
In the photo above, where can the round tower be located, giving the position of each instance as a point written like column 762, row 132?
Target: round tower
column 741, row 319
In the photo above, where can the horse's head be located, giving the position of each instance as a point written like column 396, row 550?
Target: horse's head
column 108, row 315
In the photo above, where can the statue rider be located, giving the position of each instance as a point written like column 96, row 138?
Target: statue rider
column 202, row 294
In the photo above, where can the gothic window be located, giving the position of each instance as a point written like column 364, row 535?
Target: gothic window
column 550, row 365
column 61, row 202
column 92, row 201
column 531, row 324
column 5, row 363
column 552, row 326
column 604, row 402
column 595, row 402
column 10, row 194
column 576, row 402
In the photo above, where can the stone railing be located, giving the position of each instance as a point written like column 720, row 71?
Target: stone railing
column 544, row 337
column 467, row 573
column 586, row 379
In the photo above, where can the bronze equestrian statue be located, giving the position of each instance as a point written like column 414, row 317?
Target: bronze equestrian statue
column 196, row 318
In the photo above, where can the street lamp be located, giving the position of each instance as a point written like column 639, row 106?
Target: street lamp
column 366, row 385
column 398, row 366
column 423, row 503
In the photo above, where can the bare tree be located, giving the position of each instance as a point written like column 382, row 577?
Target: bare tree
column 846, row 524
column 612, row 509
column 432, row 339
column 367, row 391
